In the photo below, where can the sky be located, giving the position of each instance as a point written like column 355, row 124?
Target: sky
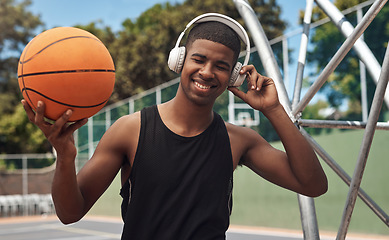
column 112, row 13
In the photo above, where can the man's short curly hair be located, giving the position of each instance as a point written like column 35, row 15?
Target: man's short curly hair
column 215, row 32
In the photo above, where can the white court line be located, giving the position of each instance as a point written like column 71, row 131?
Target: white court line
column 56, row 226
column 88, row 232
column 296, row 234
column 28, row 229
column 261, row 232
column 80, row 238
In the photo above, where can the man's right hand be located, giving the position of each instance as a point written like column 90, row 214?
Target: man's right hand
column 59, row 133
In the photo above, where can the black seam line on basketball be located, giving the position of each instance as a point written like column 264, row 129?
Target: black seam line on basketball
column 69, row 105
column 28, row 96
column 66, row 71
column 59, row 40
column 24, row 85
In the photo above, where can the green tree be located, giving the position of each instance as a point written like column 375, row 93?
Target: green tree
column 344, row 83
column 19, row 135
column 17, row 28
column 141, row 49
column 104, row 33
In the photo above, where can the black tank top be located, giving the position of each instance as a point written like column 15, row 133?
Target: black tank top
column 179, row 187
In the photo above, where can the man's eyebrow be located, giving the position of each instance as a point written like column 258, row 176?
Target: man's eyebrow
column 198, row 55
column 219, row 62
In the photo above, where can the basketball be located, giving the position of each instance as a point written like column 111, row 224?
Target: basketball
column 66, row 68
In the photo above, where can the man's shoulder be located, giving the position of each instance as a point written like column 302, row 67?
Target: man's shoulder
column 242, row 136
column 127, row 119
column 124, row 123
column 239, row 130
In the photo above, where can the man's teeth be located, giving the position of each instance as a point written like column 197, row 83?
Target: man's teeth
column 202, row 86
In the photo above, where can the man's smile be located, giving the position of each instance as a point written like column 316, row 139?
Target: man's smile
column 202, row 85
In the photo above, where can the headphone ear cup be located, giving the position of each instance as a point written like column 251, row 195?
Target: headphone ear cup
column 236, row 79
column 176, row 59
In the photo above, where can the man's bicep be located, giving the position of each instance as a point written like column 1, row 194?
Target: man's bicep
column 98, row 173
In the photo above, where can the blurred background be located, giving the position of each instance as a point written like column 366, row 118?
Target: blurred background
column 139, row 36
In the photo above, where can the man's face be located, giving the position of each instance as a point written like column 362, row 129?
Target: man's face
column 206, row 71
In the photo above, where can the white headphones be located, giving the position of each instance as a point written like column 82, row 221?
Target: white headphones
column 177, row 54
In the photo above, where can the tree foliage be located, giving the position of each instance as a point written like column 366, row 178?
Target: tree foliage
column 17, row 26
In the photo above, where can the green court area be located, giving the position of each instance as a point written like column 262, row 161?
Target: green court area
column 260, row 203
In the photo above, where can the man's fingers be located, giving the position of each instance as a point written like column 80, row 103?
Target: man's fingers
column 254, row 79
column 237, row 93
column 27, row 108
column 251, row 82
column 55, row 132
column 39, row 113
column 62, row 121
column 73, row 127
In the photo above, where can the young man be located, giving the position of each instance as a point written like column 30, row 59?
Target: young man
column 177, row 159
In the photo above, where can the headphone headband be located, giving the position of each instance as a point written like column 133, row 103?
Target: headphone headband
column 217, row 17
column 177, row 54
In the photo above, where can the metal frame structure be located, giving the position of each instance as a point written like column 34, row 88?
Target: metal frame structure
column 295, row 108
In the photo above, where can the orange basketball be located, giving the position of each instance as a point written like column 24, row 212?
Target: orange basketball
column 66, row 68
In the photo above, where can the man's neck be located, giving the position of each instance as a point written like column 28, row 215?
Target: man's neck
column 185, row 118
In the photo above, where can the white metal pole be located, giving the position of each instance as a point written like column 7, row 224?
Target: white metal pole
column 302, row 53
column 266, row 54
column 362, row 72
column 307, row 208
column 231, row 108
column 306, row 204
column 90, row 137
column 285, row 61
column 365, row 147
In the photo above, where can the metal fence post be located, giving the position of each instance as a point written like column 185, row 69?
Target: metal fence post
column 25, row 184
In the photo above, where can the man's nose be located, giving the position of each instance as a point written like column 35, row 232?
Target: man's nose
column 207, row 71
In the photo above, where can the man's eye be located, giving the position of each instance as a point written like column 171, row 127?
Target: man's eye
column 222, row 68
column 196, row 60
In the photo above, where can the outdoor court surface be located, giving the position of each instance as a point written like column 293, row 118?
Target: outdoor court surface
column 93, row 228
